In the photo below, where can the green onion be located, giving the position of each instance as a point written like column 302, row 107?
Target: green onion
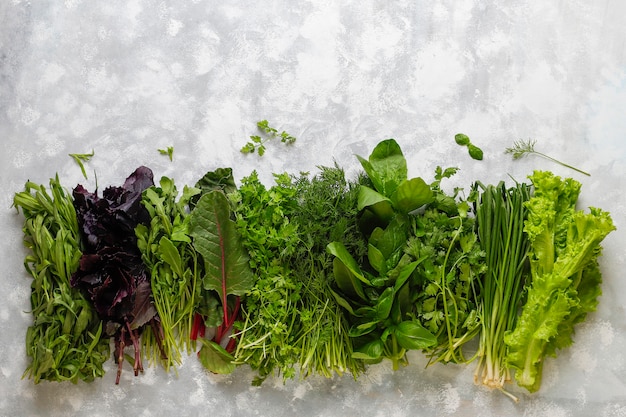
column 500, row 215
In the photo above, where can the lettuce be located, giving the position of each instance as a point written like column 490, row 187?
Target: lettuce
column 565, row 277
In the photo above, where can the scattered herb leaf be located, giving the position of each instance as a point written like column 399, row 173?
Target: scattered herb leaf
column 169, row 151
column 80, row 158
column 257, row 143
column 522, row 148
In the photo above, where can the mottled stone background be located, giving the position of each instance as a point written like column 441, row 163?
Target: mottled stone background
column 125, row 78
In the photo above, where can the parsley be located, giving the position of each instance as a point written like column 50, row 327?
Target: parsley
column 257, row 143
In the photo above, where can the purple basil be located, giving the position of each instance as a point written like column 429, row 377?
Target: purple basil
column 111, row 271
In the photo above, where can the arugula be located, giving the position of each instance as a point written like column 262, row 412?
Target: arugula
column 174, row 265
column 565, row 278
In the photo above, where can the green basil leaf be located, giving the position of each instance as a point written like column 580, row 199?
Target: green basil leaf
column 411, row 195
column 412, row 335
column 386, row 166
column 370, row 351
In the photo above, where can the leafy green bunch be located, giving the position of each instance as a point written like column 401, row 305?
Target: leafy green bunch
column 415, row 290
column 64, row 342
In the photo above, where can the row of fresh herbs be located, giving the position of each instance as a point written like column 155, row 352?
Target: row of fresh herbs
column 316, row 274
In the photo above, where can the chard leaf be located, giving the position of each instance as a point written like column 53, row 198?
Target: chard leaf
column 386, row 167
column 215, row 358
column 411, row 195
column 216, row 239
column 220, row 179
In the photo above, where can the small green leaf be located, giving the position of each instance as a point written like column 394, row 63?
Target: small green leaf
column 80, row 158
column 376, row 259
column 215, row 358
column 339, row 250
column 411, row 195
column 462, row 139
column 362, row 329
column 346, row 280
column 169, row 253
column 386, row 167
column 169, row 151
column 475, row 152
column 248, row 148
column 369, row 197
column 384, row 304
column 412, row 335
column 370, row 351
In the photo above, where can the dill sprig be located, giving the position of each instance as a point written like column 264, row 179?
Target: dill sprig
column 521, row 148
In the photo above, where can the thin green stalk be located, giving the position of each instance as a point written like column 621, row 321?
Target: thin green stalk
column 500, row 214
